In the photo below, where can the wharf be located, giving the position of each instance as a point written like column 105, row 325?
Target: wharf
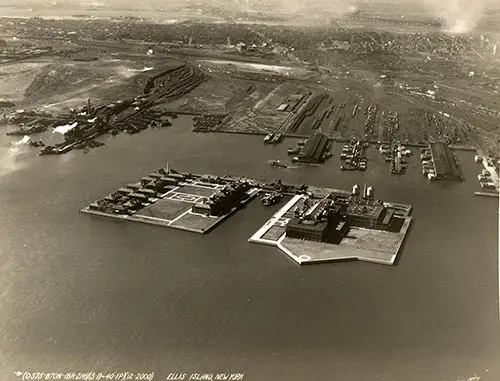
column 444, row 162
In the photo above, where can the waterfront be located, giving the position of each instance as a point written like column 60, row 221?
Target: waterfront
column 83, row 293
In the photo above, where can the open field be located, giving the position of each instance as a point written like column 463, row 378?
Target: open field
column 165, row 209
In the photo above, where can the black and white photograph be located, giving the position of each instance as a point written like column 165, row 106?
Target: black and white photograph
column 258, row 190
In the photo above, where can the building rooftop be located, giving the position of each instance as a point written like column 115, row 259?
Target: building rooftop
column 294, row 97
column 314, row 225
column 314, row 147
column 444, row 162
column 372, row 211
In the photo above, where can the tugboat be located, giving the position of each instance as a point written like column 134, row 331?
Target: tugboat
column 277, row 163
column 154, row 124
column 271, row 198
column 362, row 165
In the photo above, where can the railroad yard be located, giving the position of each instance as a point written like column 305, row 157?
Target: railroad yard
column 342, row 82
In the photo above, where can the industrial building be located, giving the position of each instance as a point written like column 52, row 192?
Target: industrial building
column 363, row 211
column 445, row 165
column 369, row 215
column 314, row 150
column 322, row 222
column 330, row 219
column 224, row 200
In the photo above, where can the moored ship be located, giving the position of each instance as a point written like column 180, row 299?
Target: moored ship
column 268, row 138
column 277, row 163
column 271, row 198
column 348, row 168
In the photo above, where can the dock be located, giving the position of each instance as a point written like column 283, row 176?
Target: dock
column 444, row 163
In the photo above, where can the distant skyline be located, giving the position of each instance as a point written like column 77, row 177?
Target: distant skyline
column 453, row 6
column 461, row 15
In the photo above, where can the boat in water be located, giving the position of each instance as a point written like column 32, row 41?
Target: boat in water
column 277, row 163
column 276, row 139
column 271, row 198
column 348, row 168
column 268, row 138
column 474, row 378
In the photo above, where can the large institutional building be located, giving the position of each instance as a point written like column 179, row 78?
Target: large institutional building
column 330, row 219
column 224, row 200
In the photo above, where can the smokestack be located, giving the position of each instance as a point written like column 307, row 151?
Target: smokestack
column 370, row 193
column 88, row 106
column 355, row 190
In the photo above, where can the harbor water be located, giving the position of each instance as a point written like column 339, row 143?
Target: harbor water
column 81, row 293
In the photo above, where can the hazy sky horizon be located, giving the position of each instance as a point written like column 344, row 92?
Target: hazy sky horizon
column 460, row 15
